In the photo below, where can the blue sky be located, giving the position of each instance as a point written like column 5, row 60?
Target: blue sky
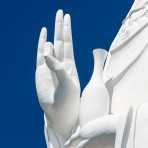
column 95, row 24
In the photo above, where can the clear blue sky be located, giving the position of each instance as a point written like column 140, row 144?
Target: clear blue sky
column 95, row 24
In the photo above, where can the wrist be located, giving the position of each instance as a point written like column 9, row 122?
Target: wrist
column 53, row 138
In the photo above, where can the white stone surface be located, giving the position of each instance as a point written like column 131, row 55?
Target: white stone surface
column 95, row 98
column 126, row 65
column 113, row 109
column 57, row 82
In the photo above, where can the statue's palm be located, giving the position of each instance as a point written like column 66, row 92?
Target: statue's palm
column 56, row 78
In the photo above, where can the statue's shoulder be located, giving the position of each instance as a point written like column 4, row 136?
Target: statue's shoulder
column 127, row 47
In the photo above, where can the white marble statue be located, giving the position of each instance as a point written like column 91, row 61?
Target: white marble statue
column 113, row 109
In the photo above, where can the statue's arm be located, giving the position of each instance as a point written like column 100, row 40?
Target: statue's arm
column 57, row 82
column 109, row 124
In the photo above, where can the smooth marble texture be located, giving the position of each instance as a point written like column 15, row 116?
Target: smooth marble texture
column 113, row 109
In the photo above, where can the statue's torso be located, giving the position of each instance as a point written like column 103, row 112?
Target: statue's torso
column 129, row 57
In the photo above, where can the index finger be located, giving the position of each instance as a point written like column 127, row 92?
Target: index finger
column 41, row 43
column 42, row 39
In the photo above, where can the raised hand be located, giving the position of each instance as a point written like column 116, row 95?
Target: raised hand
column 57, row 81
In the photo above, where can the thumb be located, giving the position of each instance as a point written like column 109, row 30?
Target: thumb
column 57, row 67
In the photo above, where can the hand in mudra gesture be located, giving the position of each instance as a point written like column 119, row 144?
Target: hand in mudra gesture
column 57, row 81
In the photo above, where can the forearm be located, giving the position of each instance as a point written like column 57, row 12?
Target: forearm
column 53, row 139
column 103, row 126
